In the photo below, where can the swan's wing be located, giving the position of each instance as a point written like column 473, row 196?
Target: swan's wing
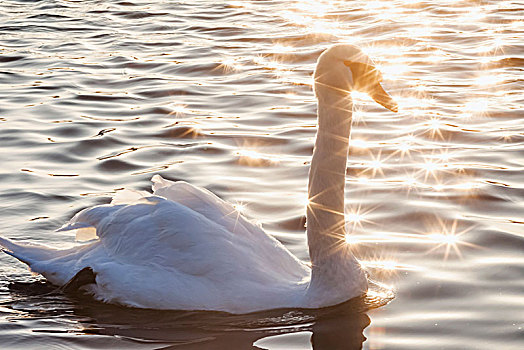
column 150, row 230
column 160, row 231
column 163, row 253
column 198, row 199
column 224, row 214
column 205, row 203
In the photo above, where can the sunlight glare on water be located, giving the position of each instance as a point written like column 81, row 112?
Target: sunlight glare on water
column 99, row 96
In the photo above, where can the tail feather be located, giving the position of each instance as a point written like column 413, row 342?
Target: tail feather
column 27, row 253
column 19, row 257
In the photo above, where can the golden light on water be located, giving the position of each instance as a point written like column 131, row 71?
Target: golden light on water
column 356, row 217
column 229, row 64
column 431, row 167
column 251, row 157
column 405, row 146
column 448, row 236
column 488, row 80
column 435, row 126
column 437, row 56
column 393, row 71
column 410, row 181
column 475, row 107
column 473, row 14
column 296, row 18
column 382, row 264
column 388, row 265
column 420, row 31
column 179, row 110
column 224, row 91
column 359, row 143
column 375, row 166
column 445, row 237
column 312, row 8
column 282, row 48
column 507, row 136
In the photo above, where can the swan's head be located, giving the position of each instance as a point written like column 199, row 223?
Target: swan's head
column 343, row 68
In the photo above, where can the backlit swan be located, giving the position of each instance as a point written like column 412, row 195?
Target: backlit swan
column 182, row 247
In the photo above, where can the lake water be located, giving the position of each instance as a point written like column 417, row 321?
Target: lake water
column 96, row 96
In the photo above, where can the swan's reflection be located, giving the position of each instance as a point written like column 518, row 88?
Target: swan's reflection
column 339, row 327
column 340, row 331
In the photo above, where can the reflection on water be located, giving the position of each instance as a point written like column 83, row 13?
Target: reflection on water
column 339, row 327
column 96, row 96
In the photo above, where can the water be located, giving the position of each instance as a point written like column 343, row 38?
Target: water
column 96, row 96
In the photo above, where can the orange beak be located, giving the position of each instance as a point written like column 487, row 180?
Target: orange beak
column 380, row 96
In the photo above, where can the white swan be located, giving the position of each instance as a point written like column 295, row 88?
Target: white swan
column 182, row 247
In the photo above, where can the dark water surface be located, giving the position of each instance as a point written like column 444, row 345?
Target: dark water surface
column 96, row 96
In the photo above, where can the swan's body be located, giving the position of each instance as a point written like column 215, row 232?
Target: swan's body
column 184, row 248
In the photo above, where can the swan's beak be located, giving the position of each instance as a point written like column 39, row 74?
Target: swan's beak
column 380, row 96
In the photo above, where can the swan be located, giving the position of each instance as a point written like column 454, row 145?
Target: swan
column 182, row 247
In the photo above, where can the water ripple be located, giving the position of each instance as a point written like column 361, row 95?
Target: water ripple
column 97, row 96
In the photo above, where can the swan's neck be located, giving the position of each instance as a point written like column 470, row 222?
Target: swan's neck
column 325, row 213
column 335, row 273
